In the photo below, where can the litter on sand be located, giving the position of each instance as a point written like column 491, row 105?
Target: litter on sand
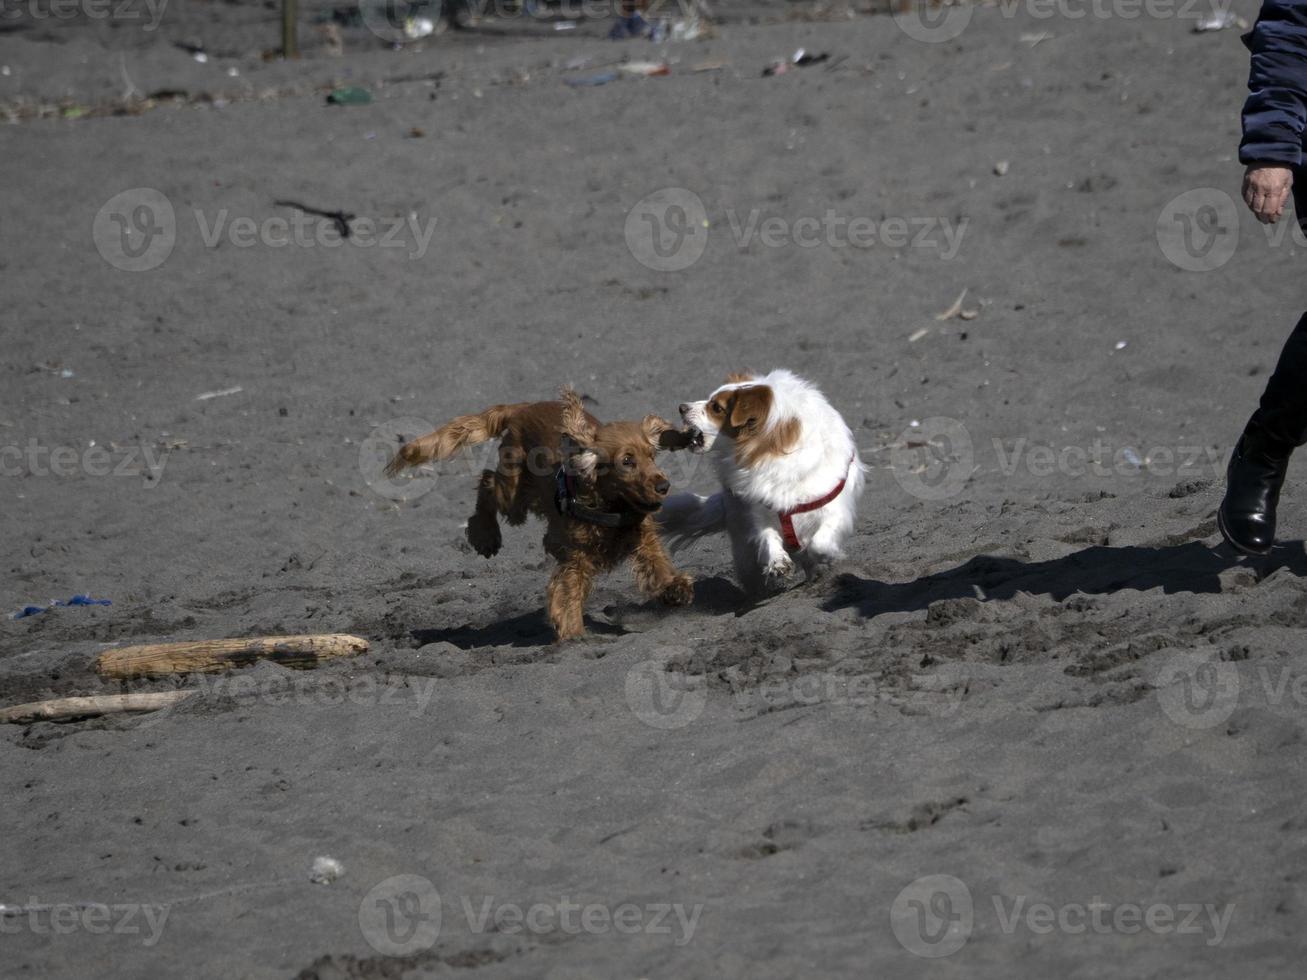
column 590, row 81
column 645, row 68
column 221, row 393
column 953, row 309
column 800, row 59
column 77, row 600
column 326, row 870
column 1219, row 21
column 350, row 95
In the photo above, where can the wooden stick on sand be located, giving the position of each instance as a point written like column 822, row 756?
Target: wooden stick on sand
column 65, row 709
column 209, row 656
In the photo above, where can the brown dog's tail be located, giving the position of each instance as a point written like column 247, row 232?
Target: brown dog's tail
column 466, row 430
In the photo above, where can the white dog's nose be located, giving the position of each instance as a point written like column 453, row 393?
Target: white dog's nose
column 684, row 407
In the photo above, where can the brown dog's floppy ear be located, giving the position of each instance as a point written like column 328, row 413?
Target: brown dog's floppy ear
column 749, row 407
column 577, row 443
column 576, row 423
column 735, row 377
column 663, row 435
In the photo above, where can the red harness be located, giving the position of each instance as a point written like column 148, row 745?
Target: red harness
column 787, row 516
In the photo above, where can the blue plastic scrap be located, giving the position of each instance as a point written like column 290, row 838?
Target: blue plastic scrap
column 77, row 600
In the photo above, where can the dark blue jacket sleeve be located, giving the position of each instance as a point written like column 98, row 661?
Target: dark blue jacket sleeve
column 1275, row 114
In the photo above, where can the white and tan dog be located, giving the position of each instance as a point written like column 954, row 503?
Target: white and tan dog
column 790, row 474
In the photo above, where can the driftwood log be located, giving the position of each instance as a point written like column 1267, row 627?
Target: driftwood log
column 66, row 709
column 209, row 656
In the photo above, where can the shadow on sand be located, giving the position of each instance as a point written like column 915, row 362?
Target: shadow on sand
column 1191, row 567
column 711, row 596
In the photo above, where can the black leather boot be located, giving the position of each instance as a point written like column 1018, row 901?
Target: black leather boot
column 1252, row 492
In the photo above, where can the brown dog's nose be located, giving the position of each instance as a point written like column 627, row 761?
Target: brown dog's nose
column 684, row 407
column 662, row 486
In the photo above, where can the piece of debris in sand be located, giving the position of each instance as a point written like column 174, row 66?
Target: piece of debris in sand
column 416, row 28
column 1001, row 168
column 645, row 68
column 590, row 81
column 209, row 656
column 205, row 396
column 95, row 706
column 800, row 59
column 918, row 334
column 340, row 219
column 325, row 870
column 349, row 95
column 77, row 600
column 1219, row 21
column 953, row 309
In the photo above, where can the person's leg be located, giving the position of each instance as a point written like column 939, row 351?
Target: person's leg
column 1261, row 458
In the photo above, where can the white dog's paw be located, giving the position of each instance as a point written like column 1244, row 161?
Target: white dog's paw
column 777, row 570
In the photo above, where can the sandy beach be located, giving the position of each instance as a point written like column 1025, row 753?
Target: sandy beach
column 1038, row 723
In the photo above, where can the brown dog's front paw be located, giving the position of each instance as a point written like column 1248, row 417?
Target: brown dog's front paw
column 485, row 537
column 679, row 592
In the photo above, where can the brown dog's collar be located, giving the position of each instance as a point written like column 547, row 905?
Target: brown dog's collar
column 565, row 501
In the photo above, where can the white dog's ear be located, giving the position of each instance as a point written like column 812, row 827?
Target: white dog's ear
column 750, row 407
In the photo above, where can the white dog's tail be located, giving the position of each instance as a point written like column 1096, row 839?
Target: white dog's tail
column 686, row 517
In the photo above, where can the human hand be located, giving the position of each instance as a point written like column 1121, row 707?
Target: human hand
column 1266, row 190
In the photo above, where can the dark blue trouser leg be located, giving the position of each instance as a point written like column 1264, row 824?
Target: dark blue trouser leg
column 1282, row 414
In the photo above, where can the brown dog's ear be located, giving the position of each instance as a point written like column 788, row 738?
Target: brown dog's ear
column 662, row 434
column 749, row 407
column 578, row 459
column 576, row 421
column 577, row 443
column 735, row 377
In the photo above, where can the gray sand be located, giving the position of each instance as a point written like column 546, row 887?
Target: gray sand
column 1036, row 676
